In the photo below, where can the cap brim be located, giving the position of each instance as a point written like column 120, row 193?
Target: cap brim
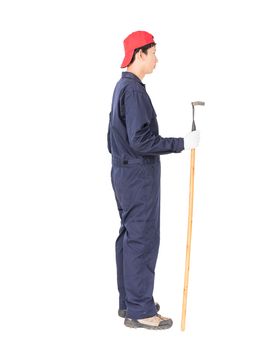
column 127, row 59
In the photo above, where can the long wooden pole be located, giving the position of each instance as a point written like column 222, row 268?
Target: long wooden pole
column 189, row 237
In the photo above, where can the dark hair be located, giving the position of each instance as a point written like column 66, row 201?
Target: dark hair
column 143, row 48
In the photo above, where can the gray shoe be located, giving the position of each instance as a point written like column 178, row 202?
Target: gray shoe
column 123, row 312
column 156, row 322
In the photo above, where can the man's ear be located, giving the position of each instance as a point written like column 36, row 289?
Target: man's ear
column 140, row 56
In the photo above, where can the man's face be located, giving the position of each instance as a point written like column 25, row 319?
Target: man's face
column 150, row 60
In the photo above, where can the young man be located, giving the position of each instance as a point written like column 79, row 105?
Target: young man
column 136, row 146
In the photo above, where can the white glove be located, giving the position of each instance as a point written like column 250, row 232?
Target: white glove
column 192, row 139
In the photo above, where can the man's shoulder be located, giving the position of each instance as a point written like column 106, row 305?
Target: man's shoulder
column 128, row 86
column 131, row 86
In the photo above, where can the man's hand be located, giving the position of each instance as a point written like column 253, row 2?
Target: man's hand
column 192, row 139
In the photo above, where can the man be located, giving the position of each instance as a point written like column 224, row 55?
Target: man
column 136, row 146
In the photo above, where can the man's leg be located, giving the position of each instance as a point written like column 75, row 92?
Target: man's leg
column 141, row 243
column 119, row 245
column 119, row 264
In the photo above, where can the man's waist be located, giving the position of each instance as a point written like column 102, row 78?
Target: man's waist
column 134, row 161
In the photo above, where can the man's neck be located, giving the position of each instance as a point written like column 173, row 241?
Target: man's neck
column 136, row 72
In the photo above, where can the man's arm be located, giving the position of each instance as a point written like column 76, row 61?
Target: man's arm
column 140, row 136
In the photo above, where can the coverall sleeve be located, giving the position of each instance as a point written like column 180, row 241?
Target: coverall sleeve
column 139, row 114
column 108, row 135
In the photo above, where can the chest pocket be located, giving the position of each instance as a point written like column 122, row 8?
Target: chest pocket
column 122, row 107
column 154, row 125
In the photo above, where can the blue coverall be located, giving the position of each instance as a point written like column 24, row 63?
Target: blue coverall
column 135, row 145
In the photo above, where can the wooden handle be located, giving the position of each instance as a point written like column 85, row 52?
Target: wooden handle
column 189, row 237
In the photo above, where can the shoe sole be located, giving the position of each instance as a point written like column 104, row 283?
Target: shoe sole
column 135, row 324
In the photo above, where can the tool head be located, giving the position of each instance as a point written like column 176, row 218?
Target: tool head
column 198, row 103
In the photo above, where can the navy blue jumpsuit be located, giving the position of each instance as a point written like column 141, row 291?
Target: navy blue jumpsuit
column 135, row 145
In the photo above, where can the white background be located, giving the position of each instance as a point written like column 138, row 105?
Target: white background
column 59, row 63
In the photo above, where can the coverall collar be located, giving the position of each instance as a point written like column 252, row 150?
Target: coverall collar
column 132, row 76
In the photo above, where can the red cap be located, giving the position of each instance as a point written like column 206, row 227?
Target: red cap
column 134, row 41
